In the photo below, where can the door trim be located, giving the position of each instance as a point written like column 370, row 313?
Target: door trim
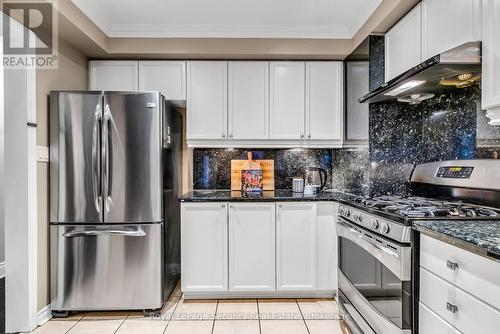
column 20, row 206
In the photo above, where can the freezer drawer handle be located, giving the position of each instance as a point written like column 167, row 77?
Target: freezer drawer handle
column 137, row 233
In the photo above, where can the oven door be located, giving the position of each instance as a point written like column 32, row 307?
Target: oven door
column 374, row 280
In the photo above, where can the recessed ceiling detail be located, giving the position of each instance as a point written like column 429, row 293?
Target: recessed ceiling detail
column 229, row 18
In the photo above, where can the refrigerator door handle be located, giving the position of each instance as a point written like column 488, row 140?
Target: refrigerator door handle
column 96, row 160
column 105, row 157
column 126, row 233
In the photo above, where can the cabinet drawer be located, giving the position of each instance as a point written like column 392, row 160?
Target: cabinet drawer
column 431, row 323
column 475, row 274
column 470, row 316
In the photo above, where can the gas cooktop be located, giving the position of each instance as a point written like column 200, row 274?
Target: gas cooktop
column 421, row 207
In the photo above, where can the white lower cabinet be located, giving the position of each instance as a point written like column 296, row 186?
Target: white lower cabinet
column 431, row 323
column 460, row 309
column 251, row 246
column 204, row 257
column 326, row 246
column 245, row 249
column 458, row 290
column 296, row 229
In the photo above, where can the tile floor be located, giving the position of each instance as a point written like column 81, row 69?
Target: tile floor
column 180, row 316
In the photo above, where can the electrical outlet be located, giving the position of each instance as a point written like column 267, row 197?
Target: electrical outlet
column 42, row 153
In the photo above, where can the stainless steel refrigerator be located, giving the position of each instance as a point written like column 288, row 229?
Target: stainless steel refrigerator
column 107, row 175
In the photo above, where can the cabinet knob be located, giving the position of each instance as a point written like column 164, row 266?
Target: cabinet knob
column 223, row 136
column 451, row 265
column 230, row 136
column 452, row 308
column 309, row 136
column 301, row 136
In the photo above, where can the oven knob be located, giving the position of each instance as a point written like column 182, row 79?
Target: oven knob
column 347, row 212
column 374, row 224
column 360, row 218
column 355, row 216
column 384, row 228
column 341, row 211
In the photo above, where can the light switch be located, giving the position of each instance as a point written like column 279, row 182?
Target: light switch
column 42, row 153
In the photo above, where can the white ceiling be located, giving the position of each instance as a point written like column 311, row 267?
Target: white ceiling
column 229, row 18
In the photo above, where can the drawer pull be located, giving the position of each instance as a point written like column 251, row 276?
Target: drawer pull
column 452, row 308
column 452, row 265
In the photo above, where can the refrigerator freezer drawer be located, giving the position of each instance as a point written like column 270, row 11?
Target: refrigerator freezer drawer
column 106, row 267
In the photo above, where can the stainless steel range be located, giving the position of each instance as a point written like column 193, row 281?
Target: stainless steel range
column 377, row 249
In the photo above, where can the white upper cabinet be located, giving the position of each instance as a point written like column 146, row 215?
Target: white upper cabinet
column 449, row 23
column 251, row 246
column 248, row 98
column 168, row 77
column 207, row 100
column 403, row 44
column 296, row 230
column 490, row 86
column 357, row 113
column 287, row 93
column 324, row 100
column 204, row 258
column 114, row 75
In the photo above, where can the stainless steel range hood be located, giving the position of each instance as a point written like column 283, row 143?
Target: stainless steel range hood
column 458, row 67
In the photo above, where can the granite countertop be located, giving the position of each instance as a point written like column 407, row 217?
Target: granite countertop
column 284, row 195
column 478, row 236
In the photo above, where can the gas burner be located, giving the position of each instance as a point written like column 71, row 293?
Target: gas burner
column 416, row 207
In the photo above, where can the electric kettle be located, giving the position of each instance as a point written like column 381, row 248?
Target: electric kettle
column 315, row 177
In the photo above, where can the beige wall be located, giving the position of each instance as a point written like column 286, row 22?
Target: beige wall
column 71, row 74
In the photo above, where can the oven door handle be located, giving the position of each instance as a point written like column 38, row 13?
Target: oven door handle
column 380, row 248
column 398, row 261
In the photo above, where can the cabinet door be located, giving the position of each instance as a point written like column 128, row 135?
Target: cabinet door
column 114, row 75
column 324, row 100
column 248, row 97
column 296, row 230
column 168, row 77
column 490, row 86
column 207, row 100
column 252, row 247
column 204, row 259
column 287, row 109
column 449, row 23
column 357, row 113
column 403, row 44
column 326, row 246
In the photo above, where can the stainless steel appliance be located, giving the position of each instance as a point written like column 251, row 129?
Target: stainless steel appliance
column 378, row 249
column 106, row 200
column 458, row 67
column 315, row 177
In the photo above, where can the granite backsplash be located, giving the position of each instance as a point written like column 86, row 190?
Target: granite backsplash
column 212, row 166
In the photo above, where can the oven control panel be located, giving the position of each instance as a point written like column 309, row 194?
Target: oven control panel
column 375, row 223
column 454, row 172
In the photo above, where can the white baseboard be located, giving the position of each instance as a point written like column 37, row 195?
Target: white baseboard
column 2, row 269
column 44, row 315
